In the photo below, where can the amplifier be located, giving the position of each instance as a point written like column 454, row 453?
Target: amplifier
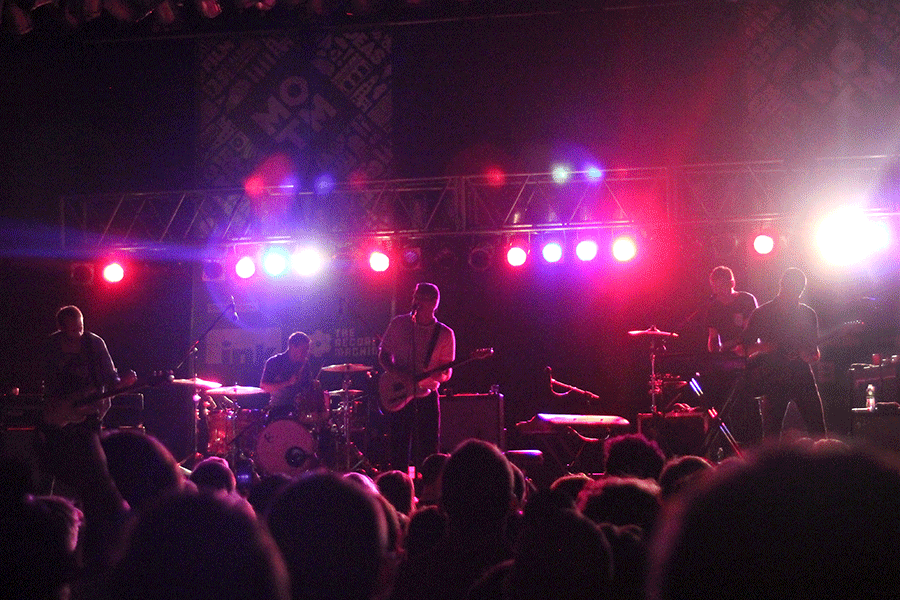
column 880, row 428
column 20, row 411
column 127, row 410
column 677, row 433
column 465, row 416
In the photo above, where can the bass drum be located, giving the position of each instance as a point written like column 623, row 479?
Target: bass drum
column 285, row 446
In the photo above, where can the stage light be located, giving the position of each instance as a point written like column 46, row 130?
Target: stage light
column 379, row 261
column 552, row 252
column 213, row 270
column 245, row 267
column 308, row 261
column 113, row 272
column 82, row 273
column 560, row 173
column 764, row 244
column 594, row 173
column 848, row 236
column 324, row 184
column 275, row 261
column 411, row 257
column 445, row 258
column 516, row 256
column 624, row 248
column 586, row 250
column 480, row 257
column 496, row 177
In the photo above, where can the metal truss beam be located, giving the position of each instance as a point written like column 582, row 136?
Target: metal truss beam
column 467, row 205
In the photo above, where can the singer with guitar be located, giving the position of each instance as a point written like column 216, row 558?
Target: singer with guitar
column 415, row 343
column 79, row 374
column 782, row 342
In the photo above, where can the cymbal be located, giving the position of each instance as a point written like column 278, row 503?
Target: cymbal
column 235, row 390
column 339, row 393
column 197, row 383
column 652, row 332
column 346, row 368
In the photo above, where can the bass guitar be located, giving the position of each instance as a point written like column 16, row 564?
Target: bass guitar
column 397, row 389
column 75, row 408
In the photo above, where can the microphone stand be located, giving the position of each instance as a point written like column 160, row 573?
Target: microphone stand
column 199, row 412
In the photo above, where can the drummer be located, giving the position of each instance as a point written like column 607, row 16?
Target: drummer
column 288, row 379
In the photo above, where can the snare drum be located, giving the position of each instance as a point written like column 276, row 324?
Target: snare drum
column 285, row 446
column 229, row 428
column 221, row 431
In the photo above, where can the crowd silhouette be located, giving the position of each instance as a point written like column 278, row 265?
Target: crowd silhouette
column 799, row 519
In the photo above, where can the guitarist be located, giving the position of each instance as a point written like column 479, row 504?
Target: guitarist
column 77, row 366
column 416, row 342
column 782, row 342
column 728, row 312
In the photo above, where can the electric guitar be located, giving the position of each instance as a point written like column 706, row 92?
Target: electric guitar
column 398, row 389
column 765, row 359
column 75, row 408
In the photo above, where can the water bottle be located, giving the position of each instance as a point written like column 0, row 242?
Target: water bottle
column 870, row 397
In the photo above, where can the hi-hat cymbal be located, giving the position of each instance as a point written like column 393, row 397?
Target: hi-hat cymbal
column 339, row 393
column 235, row 390
column 197, row 383
column 346, row 368
column 652, row 332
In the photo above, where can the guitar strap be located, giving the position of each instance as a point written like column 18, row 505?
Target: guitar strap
column 87, row 342
column 432, row 343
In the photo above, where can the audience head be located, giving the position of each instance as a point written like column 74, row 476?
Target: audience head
column 560, row 554
column 141, row 467
column 633, row 455
column 333, row 536
column 398, row 488
column 621, row 501
column 38, row 537
column 263, row 492
column 571, row 484
column 789, row 523
column 190, row 545
column 213, row 475
column 431, row 475
column 477, row 486
column 426, row 528
column 681, row 471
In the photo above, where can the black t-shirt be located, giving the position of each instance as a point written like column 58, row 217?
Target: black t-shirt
column 729, row 320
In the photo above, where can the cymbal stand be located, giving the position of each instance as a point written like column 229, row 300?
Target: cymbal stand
column 655, row 380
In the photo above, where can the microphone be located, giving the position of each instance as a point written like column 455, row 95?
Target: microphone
column 233, row 309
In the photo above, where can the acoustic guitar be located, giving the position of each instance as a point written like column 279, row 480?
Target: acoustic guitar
column 397, row 389
column 75, row 408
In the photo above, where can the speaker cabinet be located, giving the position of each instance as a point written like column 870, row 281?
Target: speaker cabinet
column 127, row 410
column 465, row 416
column 676, row 433
column 879, row 428
column 170, row 416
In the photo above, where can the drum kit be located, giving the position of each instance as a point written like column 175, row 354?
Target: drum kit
column 315, row 433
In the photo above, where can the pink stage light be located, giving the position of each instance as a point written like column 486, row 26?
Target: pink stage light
column 245, row 268
column 764, row 244
column 624, row 248
column 586, row 250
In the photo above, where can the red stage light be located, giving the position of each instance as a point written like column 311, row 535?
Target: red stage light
column 516, row 256
column 113, row 272
column 379, row 261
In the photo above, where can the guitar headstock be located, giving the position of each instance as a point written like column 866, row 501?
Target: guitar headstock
column 481, row 353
